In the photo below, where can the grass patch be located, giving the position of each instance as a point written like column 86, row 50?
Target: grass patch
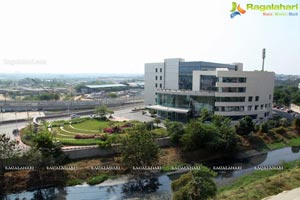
column 92, row 124
column 294, row 142
column 74, row 181
column 97, row 179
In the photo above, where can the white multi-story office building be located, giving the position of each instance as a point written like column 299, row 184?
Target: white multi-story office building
column 179, row 89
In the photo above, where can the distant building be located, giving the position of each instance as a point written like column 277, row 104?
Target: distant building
column 136, row 84
column 177, row 89
column 99, row 88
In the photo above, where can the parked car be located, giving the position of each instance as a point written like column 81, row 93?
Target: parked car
column 74, row 116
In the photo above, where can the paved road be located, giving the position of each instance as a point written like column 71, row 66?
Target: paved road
column 124, row 112
column 8, row 128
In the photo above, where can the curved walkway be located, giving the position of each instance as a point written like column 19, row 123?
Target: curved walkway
column 73, row 133
column 83, row 129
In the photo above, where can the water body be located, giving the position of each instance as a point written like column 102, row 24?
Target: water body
column 158, row 187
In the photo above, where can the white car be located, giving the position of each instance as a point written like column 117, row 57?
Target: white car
column 74, row 116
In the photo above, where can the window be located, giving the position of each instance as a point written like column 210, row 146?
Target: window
column 234, row 80
column 160, row 85
column 155, row 69
column 266, row 105
column 230, row 108
column 155, row 77
column 230, row 99
column 270, row 96
column 160, row 77
column 257, row 98
column 233, row 89
column 256, row 107
column 156, row 85
column 249, row 99
column 249, row 108
column 160, row 69
column 261, row 106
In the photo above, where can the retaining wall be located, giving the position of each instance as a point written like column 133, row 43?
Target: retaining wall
column 104, row 152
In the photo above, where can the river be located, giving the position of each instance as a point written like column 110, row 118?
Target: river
column 158, row 187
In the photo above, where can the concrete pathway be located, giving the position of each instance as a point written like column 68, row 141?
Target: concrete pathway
column 286, row 195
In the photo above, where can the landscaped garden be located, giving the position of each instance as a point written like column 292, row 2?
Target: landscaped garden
column 88, row 131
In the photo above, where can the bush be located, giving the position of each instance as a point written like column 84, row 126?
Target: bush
column 296, row 124
column 197, row 184
column 115, row 129
column 84, row 136
column 102, row 137
column 74, row 182
column 280, row 130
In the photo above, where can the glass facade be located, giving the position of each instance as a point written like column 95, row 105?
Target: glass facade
column 186, row 72
column 195, row 103
column 208, row 83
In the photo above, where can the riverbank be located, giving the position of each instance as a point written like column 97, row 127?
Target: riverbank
column 263, row 183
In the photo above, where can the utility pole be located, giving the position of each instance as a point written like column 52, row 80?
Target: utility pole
column 263, row 57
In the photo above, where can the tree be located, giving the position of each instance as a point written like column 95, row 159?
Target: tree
column 157, row 121
column 112, row 95
column 8, row 151
column 264, row 127
column 175, row 131
column 205, row 115
column 197, row 135
column 139, row 148
column 102, row 111
column 225, row 139
column 50, row 150
column 245, row 126
column 195, row 185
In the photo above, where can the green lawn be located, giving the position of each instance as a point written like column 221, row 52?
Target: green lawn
column 92, row 124
column 82, row 127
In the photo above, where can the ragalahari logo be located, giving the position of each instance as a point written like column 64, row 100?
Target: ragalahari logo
column 236, row 10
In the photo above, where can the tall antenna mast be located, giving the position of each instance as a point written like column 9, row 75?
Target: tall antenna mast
column 263, row 57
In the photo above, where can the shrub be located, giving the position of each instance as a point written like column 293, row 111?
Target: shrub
column 280, row 130
column 115, row 129
column 84, row 136
column 108, row 130
column 74, row 182
column 296, row 124
column 102, row 137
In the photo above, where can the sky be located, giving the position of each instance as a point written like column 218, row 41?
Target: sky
column 119, row 36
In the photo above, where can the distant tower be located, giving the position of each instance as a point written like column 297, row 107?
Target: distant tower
column 263, row 57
